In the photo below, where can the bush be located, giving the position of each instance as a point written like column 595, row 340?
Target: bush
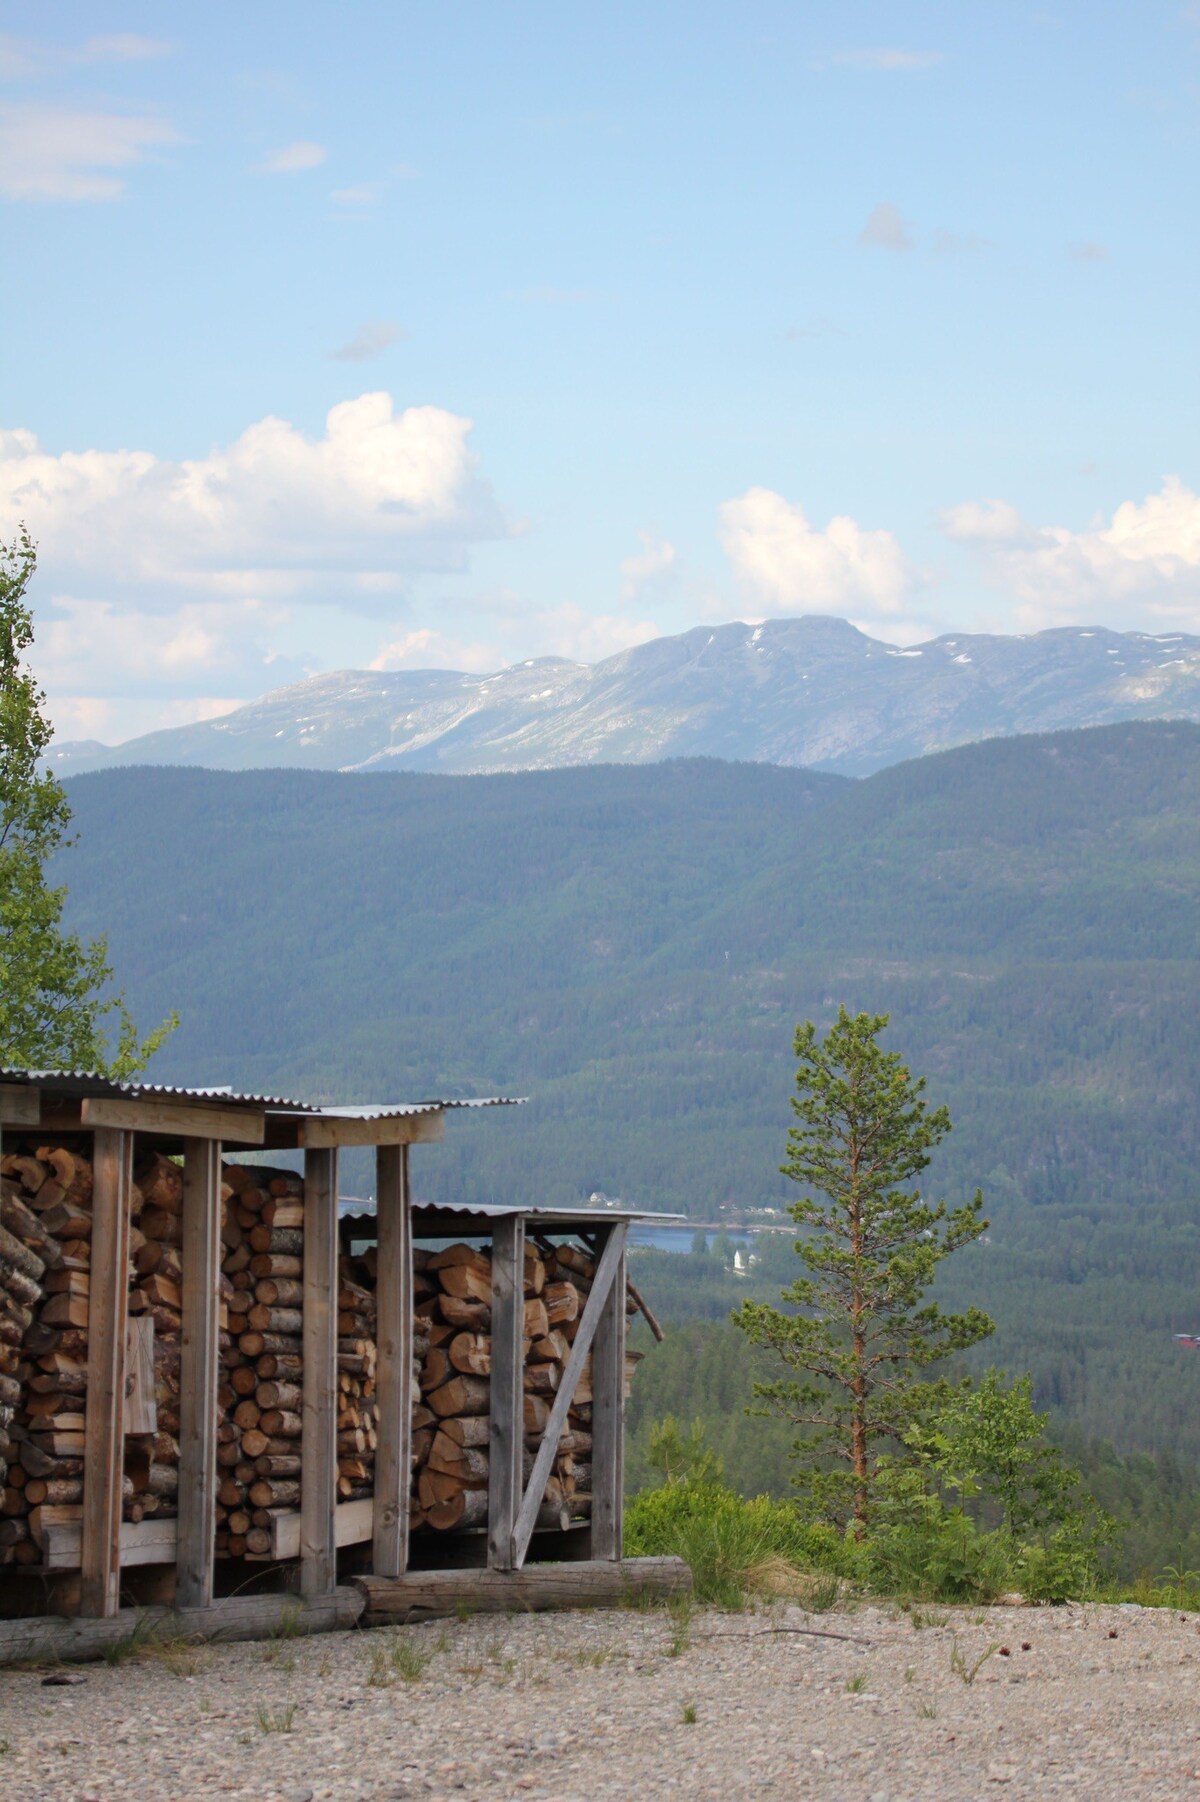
column 732, row 1545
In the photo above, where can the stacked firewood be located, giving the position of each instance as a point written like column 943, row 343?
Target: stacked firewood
column 357, row 1434
column 454, row 1291
column 261, row 1399
column 45, row 1257
column 154, row 1342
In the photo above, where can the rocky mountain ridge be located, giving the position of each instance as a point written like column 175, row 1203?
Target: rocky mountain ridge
column 808, row 692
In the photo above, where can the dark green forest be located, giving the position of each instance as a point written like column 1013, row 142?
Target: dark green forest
column 632, row 947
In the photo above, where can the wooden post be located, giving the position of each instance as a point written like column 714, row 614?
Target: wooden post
column 318, row 1491
column 506, row 1442
column 198, row 1378
column 610, row 1265
column 108, row 1311
column 394, row 1298
column 608, row 1413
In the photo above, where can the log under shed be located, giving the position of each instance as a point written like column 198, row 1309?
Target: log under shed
column 226, row 1400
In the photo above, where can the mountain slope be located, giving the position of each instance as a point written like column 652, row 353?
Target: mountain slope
column 811, row 692
column 633, row 946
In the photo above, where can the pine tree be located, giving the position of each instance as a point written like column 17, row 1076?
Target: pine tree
column 861, row 1333
column 53, row 986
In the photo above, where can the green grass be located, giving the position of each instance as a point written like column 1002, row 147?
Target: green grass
column 275, row 1720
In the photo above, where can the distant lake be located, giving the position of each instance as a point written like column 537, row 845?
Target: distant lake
column 677, row 1238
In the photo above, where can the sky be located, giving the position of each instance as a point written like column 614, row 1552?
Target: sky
column 407, row 335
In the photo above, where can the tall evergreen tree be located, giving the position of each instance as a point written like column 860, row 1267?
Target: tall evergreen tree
column 54, row 986
column 860, row 1333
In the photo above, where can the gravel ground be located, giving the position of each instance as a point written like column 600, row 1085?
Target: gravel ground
column 1082, row 1701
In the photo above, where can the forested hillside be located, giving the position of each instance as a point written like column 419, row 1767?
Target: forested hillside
column 632, row 947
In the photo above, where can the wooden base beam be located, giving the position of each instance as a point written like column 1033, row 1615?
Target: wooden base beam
column 233, row 1617
column 596, row 1583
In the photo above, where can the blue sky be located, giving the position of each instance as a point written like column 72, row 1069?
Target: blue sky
column 416, row 334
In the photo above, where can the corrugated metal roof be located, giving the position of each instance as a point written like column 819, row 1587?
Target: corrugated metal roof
column 491, row 1210
column 391, row 1110
column 90, row 1082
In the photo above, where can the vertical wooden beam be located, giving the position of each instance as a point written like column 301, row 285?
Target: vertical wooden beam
column 393, row 1392
column 318, row 1490
column 198, row 1377
column 608, row 1414
column 506, row 1442
column 108, row 1312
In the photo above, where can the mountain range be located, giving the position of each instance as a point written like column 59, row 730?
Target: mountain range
column 812, row 692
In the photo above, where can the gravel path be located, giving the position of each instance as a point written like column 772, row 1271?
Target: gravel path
column 629, row 1707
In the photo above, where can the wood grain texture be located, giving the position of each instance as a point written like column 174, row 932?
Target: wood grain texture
column 233, row 1617
column 241, row 1126
column 610, row 1263
column 394, row 1325
column 403, row 1129
column 318, row 1499
column 199, row 1374
column 104, row 1434
column 19, row 1106
column 591, row 1583
column 608, row 1412
column 506, row 1437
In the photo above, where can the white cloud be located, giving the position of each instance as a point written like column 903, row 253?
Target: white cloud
column 655, row 558
column 356, row 199
column 120, row 47
column 1142, row 564
column 514, row 631
column 379, row 496
column 890, row 61
column 425, row 648
column 370, row 340
column 59, row 153
column 886, row 229
column 21, row 58
column 292, row 158
column 791, row 566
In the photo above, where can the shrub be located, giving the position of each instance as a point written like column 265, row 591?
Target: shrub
column 728, row 1542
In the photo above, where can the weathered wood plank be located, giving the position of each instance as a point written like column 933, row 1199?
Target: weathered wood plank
column 241, row 1126
column 156, row 1541
column 402, row 1129
column 506, row 1440
column 608, row 1413
column 142, row 1542
column 318, row 1495
column 592, row 1583
column 19, row 1106
column 201, row 1252
column 394, row 1302
column 611, row 1261
column 233, row 1617
column 353, row 1523
column 112, row 1158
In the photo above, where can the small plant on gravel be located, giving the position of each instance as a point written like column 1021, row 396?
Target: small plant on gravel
column 1182, row 1581
column 910, row 1673
column 927, row 1711
column 290, row 1624
column 133, row 1644
column 855, row 1685
column 408, row 1660
column 275, row 1720
column 687, row 1714
column 969, row 1672
column 594, row 1658
column 680, row 1610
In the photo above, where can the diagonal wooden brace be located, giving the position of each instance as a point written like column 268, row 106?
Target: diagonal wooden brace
column 611, row 1262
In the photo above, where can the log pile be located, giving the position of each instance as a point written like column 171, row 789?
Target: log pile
column 453, row 1290
column 260, row 1399
column 45, row 1257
